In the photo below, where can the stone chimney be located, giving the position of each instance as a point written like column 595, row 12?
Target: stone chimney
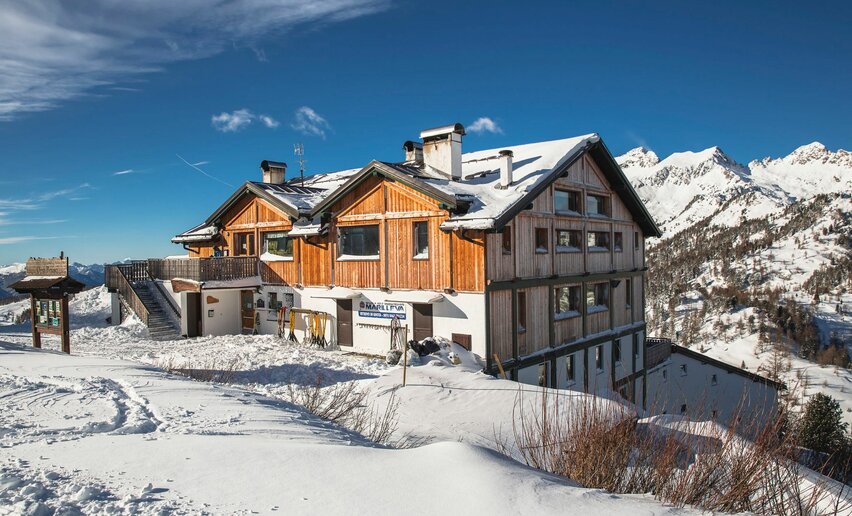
column 506, row 178
column 413, row 152
column 442, row 150
column 273, row 171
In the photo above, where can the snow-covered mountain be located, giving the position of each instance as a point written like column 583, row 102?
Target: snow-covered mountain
column 89, row 274
column 753, row 258
column 687, row 187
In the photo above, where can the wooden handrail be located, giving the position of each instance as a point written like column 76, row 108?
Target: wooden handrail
column 204, row 269
column 117, row 279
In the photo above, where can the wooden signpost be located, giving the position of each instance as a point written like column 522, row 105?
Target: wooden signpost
column 48, row 284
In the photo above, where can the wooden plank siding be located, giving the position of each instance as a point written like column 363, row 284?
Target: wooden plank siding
column 526, row 264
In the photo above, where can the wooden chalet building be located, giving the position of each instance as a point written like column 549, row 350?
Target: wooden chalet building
column 531, row 255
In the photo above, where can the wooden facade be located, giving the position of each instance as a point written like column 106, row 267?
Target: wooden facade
column 455, row 261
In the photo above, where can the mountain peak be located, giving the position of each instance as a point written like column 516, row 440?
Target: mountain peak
column 638, row 157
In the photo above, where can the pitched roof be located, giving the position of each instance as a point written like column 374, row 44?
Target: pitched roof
column 475, row 201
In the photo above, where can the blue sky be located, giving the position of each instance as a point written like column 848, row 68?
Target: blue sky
column 89, row 90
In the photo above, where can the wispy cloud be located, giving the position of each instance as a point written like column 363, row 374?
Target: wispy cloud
column 123, row 172
column 484, row 124
column 19, row 239
column 268, row 121
column 240, row 119
column 53, row 51
column 308, row 121
column 200, row 163
column 5, row 222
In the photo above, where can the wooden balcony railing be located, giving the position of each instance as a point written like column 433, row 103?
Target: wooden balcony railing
column 204, row 269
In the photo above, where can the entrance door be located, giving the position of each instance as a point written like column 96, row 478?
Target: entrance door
column 422, row 321
column 247, row 310
column 193, row 314
column 344, row 322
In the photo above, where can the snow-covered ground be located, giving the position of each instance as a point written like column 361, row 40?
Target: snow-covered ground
column 102, row 431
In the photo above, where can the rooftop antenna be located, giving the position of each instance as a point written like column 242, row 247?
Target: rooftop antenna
column 299, row 151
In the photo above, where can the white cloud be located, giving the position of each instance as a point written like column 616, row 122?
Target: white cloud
column 308, row 121
column 268, row 121
column 240, row 119
column 19, row 239
column 233, row 121
column 484, row 124
column 54, row 51
column 123, row 172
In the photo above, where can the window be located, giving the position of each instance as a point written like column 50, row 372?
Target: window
column 543, row 370
column 713, row 380
column 421, row 240
column 598, row 241
column 507, row 240
column 597, row 205
column 567, row 302
column 616, row 351
column 566, row 201
column 278, row 244
column 359, row 242
column 714, row 413
column 618, row 241
column 244, row 244
column 541, row 242
column 635, row 240
column 522, row 312
column 683, row 369
column 683, row 409
column 635, row 347
column 628, row 293
column 665, row 375
column 599, row 357
column 597, row 297
column 569, row 241
column 569, row 368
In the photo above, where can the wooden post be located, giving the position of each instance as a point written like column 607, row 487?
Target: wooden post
column 33, row 315
column 63, row 321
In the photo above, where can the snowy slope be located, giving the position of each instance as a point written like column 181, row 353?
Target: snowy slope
column 100, row 435
column 807, row 171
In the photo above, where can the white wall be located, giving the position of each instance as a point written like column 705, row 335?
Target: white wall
column 732, row 393
column 226, row 312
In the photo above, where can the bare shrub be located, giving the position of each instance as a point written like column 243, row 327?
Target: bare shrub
column 213, row 370
column 602, row 445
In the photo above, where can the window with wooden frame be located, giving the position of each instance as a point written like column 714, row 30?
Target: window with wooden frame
column 597, row 205
column 566, row 202
column 522, row 312
column 541, row 243
column 597, row 297
column 570, row 372
column 569, row 241
column 618, row 241
column 278, row 244
column 635, row 240
column 421, row 240
column 616, row 351
column 628, row 293
column 597, row 241
column 507, row 240
column 567, row 302
column 599, row 360
column 243, row 244
column 358, row 243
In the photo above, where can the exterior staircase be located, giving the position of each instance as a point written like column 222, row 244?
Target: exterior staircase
column 160, row 325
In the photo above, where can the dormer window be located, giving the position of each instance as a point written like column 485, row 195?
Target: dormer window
column 567, row 202
column 597, row 205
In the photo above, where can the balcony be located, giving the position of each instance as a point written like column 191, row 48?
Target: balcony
column 195, row 269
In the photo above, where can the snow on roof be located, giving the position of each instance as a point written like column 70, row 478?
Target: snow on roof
column 200, row 233
column 532, row 164
column 303, row 198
